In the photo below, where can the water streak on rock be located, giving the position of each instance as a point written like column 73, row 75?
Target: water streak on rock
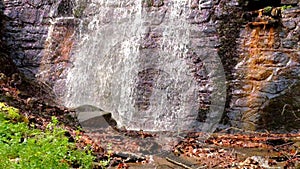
column 143, row 78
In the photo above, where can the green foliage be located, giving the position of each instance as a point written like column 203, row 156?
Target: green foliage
column 285, row 7
column 268, row 9
column 105, row 163
column 27, row 148
column 148, row 3
column 153, row 3
column 9, row 112
column 79, row 9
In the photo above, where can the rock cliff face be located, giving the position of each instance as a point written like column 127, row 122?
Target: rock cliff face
column 27, row 28
column 153, row 48
column 153, row 63
column 267, row 73
column 7, row 65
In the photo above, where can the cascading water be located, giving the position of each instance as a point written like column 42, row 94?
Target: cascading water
column 146, row 85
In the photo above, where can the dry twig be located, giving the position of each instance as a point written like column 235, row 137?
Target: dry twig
column 178, row 163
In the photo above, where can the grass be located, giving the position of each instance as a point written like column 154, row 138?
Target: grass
column 24, row 147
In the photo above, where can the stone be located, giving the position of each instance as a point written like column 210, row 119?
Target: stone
column 195, row 4
column 199, row 16
column 203, row 4
column 289, row 2
column 289, row 43
column 158, row 3
column 233, row 3
column 290, row 24
column 275, row 87
column 258, row 74
column 13, row 14
column 209, row 30
column 205, row 42
column 242, row 102
column 26, row 39
column 46, row 12
column 35, row 3
column 278, row 58
column 7, row 66
column 43, row 30
column 157, row 17
column 283, row 110
column 29, row 15
column 65, row 8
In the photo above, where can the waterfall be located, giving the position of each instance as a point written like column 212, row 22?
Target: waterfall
column 133, row 63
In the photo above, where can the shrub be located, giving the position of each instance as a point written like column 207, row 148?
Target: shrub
column 28, row 148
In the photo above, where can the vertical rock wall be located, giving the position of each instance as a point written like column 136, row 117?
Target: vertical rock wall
column 26, row 30
column 266, row 77
column 261, row 63
column 7, row 66
column 154, row 62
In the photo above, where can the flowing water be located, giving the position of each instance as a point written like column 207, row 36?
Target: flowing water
column 142, row 78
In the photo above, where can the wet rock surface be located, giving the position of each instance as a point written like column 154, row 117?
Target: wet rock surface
column 7, row 65
column 26, row 28
column 261, row 65
column 138, row 149
column 269, row 100
column 134, row 74
column 267, row 54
